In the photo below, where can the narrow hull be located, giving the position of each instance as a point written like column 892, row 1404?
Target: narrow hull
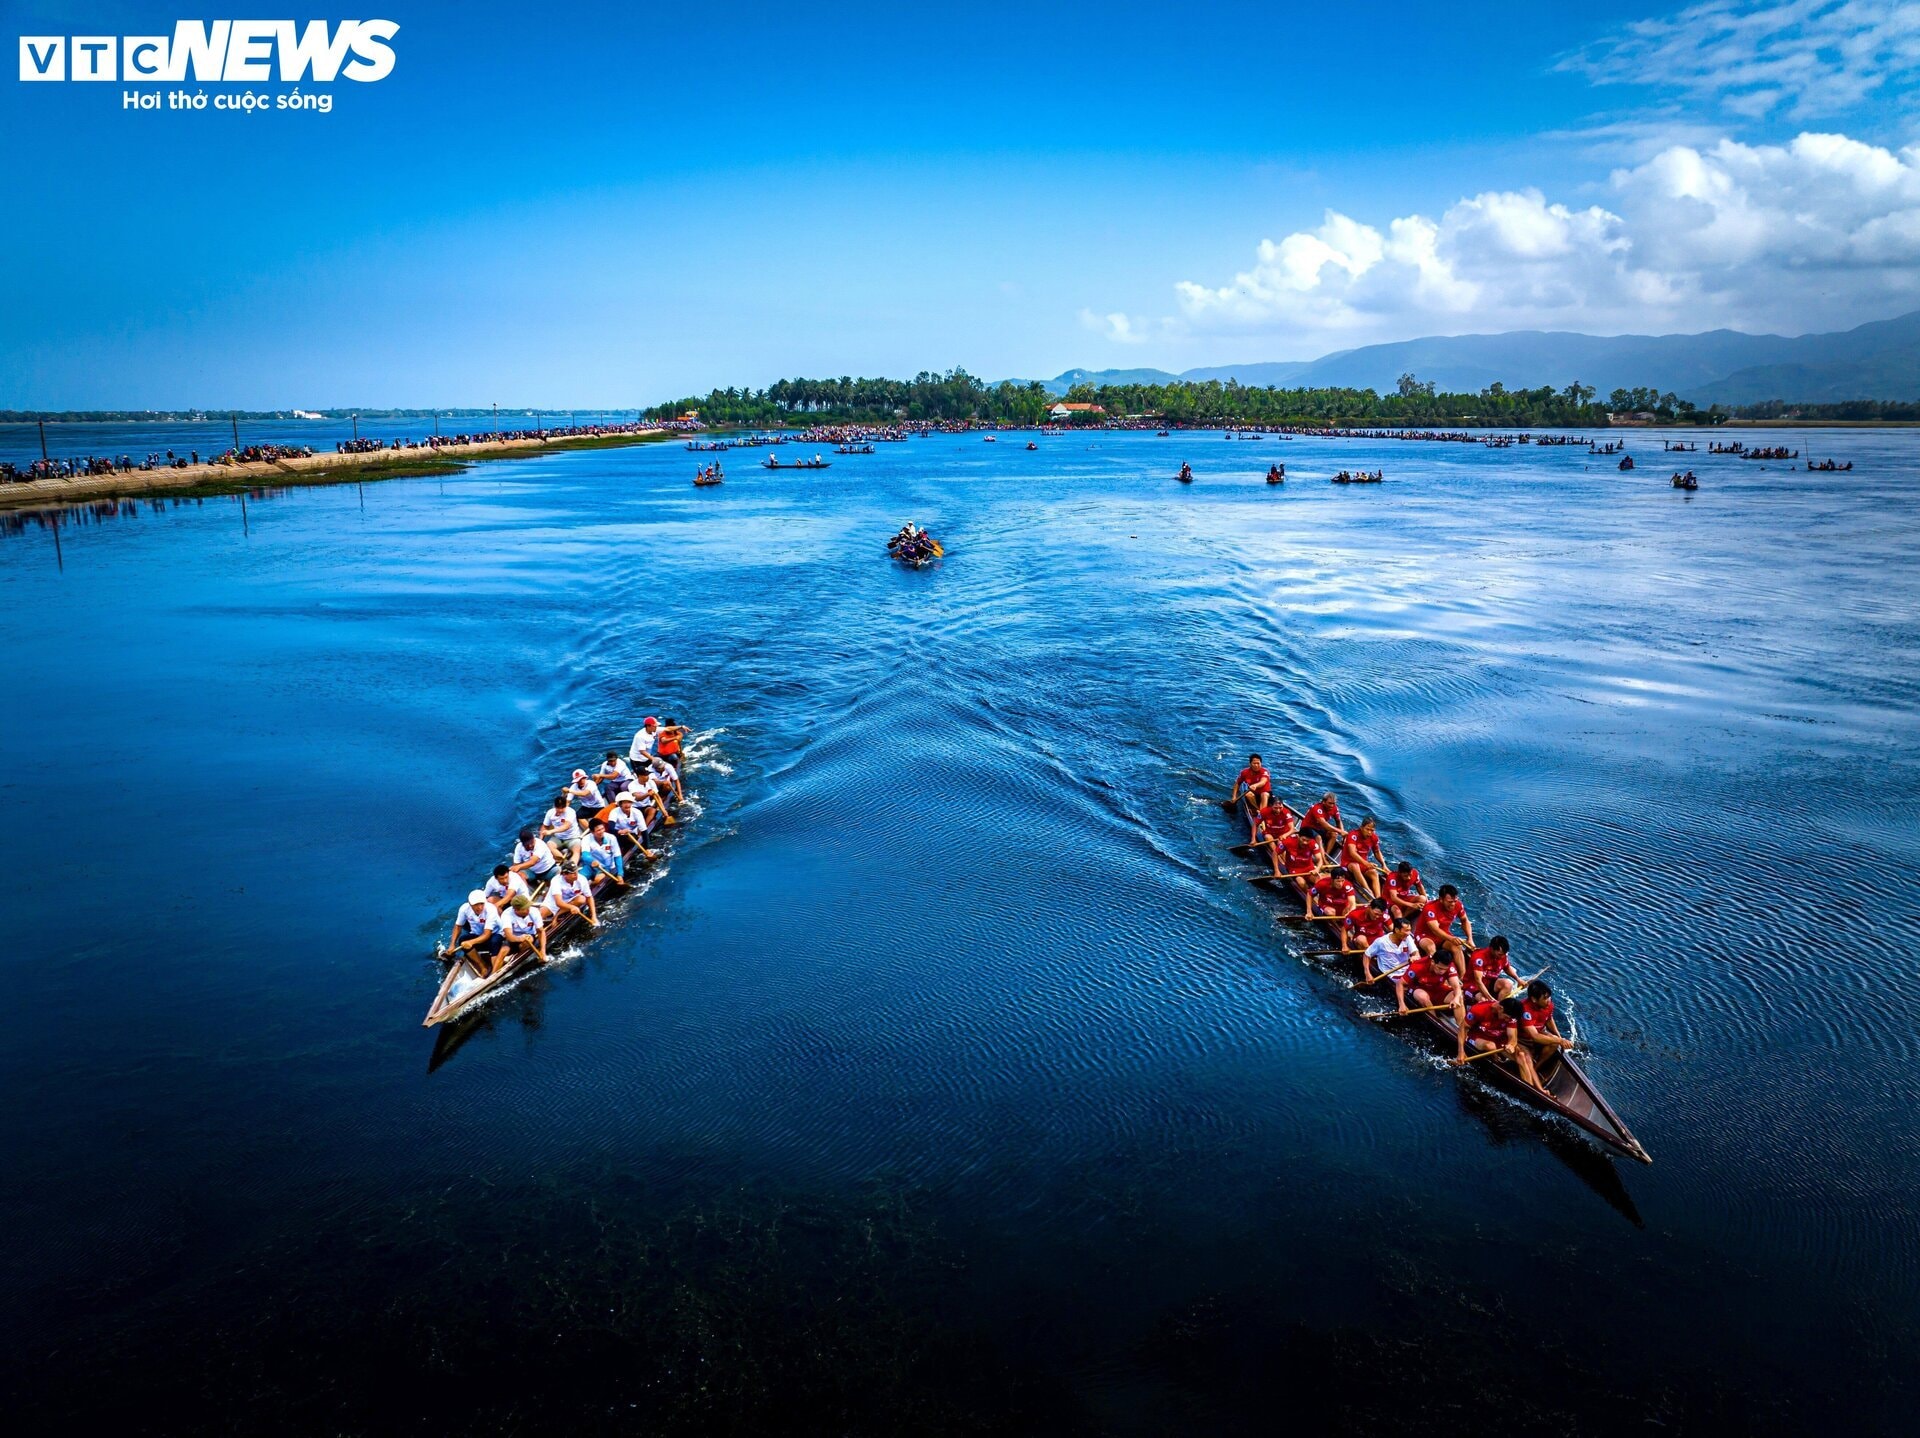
column 1570, row 1095
column 463, row 987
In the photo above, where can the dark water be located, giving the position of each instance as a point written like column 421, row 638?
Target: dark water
column 950, row 1079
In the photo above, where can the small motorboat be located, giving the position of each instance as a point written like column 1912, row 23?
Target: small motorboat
column 1185, row 476
column 1685, row 481
column 1276, row 474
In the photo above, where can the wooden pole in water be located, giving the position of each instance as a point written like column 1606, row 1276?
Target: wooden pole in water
column 236, row 429
column 43, row 439
column 243, row 515
column 58, row 557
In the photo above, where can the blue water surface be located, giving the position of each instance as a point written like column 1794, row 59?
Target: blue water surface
column 954, row 953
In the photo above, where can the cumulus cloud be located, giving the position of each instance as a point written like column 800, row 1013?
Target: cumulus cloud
column 1824, row 229
column 1116, row 327
column 1801, row 58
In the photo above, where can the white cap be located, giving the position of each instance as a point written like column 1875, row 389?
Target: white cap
column 579, row 773
column 477, row 897
column 626, row 796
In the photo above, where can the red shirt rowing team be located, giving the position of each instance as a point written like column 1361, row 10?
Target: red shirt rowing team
column 1400, row 932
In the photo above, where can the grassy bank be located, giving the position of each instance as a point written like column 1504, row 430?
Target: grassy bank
column 213, row 480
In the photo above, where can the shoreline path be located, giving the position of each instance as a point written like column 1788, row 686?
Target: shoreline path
column 325, row 468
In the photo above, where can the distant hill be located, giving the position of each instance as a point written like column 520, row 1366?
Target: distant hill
column 1880, row 360
column 1061, row 383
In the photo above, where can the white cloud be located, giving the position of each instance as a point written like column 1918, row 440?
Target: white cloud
column 1817, row 233
column 1801, row 58
column 1116, row 327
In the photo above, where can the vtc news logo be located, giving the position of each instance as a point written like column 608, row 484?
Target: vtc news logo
column 239, row 51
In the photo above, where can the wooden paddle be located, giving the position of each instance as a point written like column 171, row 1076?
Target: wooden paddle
column 1484, row 1053
column 1362, row 983
column 1396, row 1014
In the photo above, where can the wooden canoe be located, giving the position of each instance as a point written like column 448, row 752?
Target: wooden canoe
column 1570, row 1093
column 462, row 986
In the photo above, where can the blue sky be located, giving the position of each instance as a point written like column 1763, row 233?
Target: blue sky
column 617, row 204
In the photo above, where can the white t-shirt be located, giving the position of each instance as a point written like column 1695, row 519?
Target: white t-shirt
column 540, row 853
column 501, row 895
column 586, row 792
column 1384, row 954
column 473, row 922
column 642, row 746
column 522, row 926
column 574, row 891
column 561, row 823
column 626, row 819
column 615, row 769
column 660, row 770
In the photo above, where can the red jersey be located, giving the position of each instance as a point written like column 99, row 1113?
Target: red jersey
column 1488, row 1021
column 1364, row 926
column 1333, row 892
column 1326, row 812
column 1425, row 973
column 1303, row 853
column 1252, row 778
column 1536, row 1016
column 1489, row 966
column 1441, row 913
column 1362, row 845
column 1405, row 889
column 1283, row 819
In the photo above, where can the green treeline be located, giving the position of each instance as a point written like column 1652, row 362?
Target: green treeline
column 957, row 395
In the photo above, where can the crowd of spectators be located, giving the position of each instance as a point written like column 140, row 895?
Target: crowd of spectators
column 89, row 466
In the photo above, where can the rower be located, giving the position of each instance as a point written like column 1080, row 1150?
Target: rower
column 532, row 858
column 523, row 930
column 1489, row 971
column 653, row 804
column 561, row 829
column 1490, row 1025
column 476, row 933
column 1360, row 857
column 1263, row 835
column 1539, row 1030
column 644, row 740
column 614, row 773
column 1331, row 897
column 1364, row 925
column 1430, row 980
column 665, row 776
column 571, row 896
column 1404, row 892
column 602, row 855
column 672, row 735
column 628, row 821
column 1303, row 857
column 505, row 883
column 1254, row 779
column 1323, row 819
column 1391, row 952
column 1434, row 928
column 584, row 792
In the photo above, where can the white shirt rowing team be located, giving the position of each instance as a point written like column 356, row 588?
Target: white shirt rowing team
column 503, row 912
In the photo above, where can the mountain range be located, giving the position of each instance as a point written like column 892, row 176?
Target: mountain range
column 1880, row 360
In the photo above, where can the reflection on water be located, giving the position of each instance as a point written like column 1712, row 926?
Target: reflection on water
column 955, row 1078
column 52, row 518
